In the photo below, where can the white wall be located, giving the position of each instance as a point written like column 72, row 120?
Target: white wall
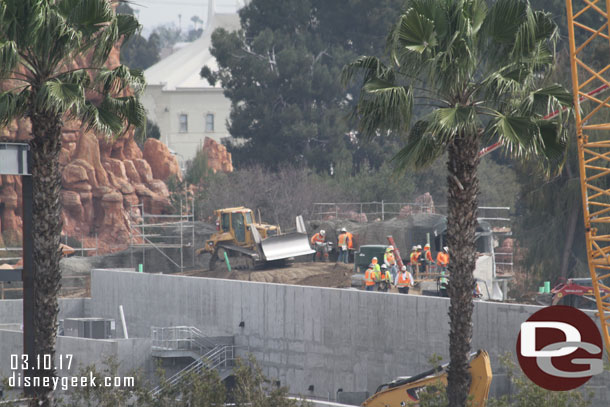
column 165, row 107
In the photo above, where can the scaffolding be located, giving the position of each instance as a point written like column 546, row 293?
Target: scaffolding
column 149, row 231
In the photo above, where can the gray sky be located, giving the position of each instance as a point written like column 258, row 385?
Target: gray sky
column 152, row 13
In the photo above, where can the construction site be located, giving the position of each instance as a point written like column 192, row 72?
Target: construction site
column 316, row 257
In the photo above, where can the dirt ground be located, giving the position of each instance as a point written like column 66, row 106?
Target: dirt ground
column 336, row 275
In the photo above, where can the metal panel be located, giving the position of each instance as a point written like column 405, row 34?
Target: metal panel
column 13, row 159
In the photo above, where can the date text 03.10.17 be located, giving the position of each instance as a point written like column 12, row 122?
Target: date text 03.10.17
column 41, row 362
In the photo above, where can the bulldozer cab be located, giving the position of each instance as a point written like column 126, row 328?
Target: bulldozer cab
column 238, row 222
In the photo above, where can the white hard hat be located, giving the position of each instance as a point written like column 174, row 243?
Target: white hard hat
column 404, row 268
column 446, row 249
column 383, row 266
column 419, row 246
column 390, row 247
column 322, row 232
column 414, row 248
column 343, row 230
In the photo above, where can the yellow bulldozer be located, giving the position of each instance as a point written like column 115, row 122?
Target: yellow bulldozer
column 246, row 244
column 406, row 391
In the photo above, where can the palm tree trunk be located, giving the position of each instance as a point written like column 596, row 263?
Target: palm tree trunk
column 461, row 228
column 46, row 179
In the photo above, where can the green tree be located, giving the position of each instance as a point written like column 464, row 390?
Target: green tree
column 482, row 72
column 39, row 42
column 138, row 52
column 280, row 72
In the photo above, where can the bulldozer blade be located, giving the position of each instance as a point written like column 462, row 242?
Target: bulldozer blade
column 285, row 246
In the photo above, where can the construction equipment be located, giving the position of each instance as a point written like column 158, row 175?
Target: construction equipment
column 248, row 244
column 573, row 292
column 589, row 30
column 406, row 391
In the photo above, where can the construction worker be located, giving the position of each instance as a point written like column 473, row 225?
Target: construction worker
column 345, row 244
column 318, row 241
column 428, row 261
column 369, row 278
column 383, row 279
column 389, row 259
column 404, row 280
column 442, row 259
column 375, row 263
column 414, row 260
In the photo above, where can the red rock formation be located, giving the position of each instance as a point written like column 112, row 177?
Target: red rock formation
column 219, row 159
column 102, row 180
column 162, row 162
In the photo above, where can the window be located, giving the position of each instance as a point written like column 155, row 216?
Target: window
column 184, row 123
column 209, row 122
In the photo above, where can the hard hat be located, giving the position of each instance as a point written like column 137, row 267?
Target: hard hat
column 418, row 247
column 446, row 249
column 322, row 232
column 343, row 230
column 427, row 245
column 374, row 260
column 390, row 248
column 383, row 266
column 414, row 248
column 404, row 268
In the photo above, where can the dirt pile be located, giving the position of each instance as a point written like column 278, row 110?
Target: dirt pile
column 337, row 275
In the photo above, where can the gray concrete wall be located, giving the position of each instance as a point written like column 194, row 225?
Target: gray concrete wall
column 331, row 338
column 133, row 354
column 11, row 311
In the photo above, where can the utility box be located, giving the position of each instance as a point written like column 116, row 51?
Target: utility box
column 92, row 328
column 363, row 257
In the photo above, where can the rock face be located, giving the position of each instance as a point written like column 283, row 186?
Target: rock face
column 104, row 182
column 219, row 159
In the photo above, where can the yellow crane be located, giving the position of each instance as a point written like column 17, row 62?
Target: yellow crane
column 589, row 30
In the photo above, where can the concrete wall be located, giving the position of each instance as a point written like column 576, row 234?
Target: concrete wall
column 133, row 354
column 331, row 338
column 11, row 311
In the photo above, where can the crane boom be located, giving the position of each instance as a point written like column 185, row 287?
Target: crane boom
column 589, row 29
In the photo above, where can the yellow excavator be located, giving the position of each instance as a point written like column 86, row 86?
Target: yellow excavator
column 246, row 244
column 406, row 391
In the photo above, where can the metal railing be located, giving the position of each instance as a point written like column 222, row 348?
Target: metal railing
column 186, row 338
column 220, row 357
column 371, row 211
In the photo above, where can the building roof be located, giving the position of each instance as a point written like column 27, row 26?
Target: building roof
column 180, row 70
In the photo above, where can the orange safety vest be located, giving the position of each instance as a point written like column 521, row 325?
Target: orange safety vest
column 414, row 258
column 350, row 240
column 368, row 276
column 317, row 238
column 403, row 280
column 442, row 259
column 428, row 255
column 342, row 241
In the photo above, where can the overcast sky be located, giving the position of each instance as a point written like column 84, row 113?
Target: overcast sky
column 152, row 13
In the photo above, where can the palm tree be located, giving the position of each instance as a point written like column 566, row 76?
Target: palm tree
column 39, row 42
column 471, row 73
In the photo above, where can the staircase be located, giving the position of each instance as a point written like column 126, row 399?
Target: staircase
column 188, row 341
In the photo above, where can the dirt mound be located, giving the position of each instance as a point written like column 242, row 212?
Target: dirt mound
column 312, row 274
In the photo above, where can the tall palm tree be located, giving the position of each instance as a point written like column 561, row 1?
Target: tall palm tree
column 471, row 73
column 39, row 42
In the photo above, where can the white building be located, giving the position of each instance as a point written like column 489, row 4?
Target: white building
column 185, row 106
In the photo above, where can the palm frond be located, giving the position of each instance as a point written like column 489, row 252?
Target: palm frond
column 446, row 123
column 9, row 57
column 371, row 67
column 86, row 16
column 114, row 81
column 546, row 100
column 415, row 32
column 128, row 25
column 12, row 106
column 59, row 97
column 421, row 150
column 101, row 119
column 384, row 105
